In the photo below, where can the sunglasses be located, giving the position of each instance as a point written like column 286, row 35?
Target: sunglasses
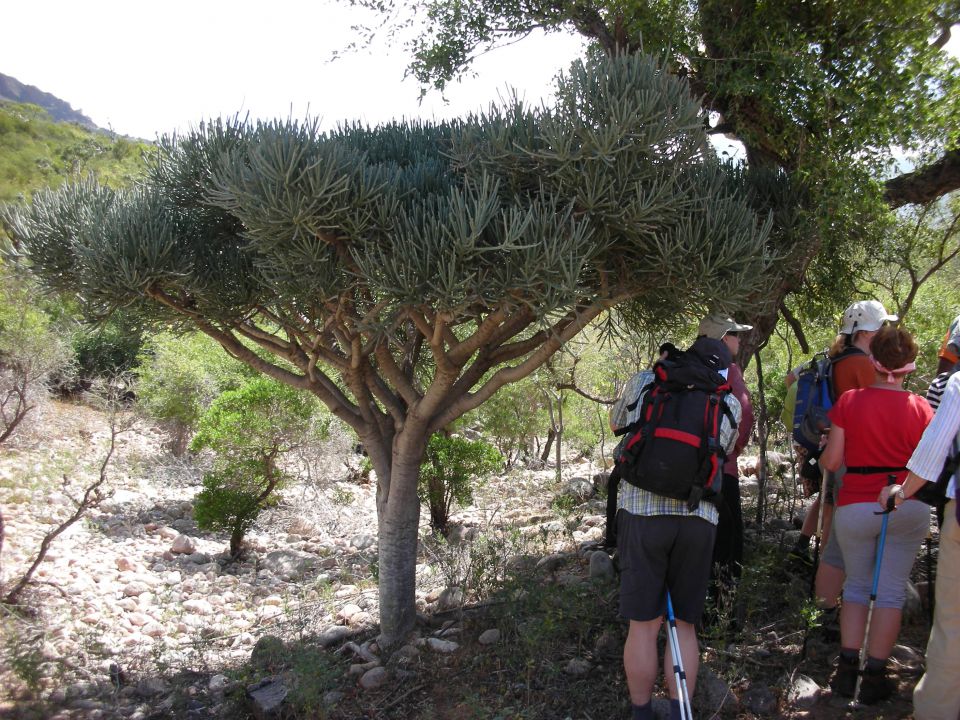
column 733, row 333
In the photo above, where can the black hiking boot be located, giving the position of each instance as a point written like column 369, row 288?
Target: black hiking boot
column 875, row 686
column 844, row 682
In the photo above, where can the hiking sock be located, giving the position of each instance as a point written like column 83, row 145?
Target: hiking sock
column 850, row 655
column 642, row 712
column 875, row 686
column 675, row 709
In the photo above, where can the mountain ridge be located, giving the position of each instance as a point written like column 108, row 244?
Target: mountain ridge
column 13, row 90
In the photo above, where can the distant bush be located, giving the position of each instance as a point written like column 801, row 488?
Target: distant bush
column 110, row 349
column 250, row 429
column 179, row 376
column 450, row 466
column 33, row 350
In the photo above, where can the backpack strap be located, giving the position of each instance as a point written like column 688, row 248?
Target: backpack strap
column 847, row 352
column 710, row 450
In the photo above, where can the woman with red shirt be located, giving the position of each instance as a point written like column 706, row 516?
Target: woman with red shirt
column 874, row 432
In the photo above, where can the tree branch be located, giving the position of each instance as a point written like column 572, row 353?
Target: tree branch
column 796, row 326
column 926, row 184
column 584, row 393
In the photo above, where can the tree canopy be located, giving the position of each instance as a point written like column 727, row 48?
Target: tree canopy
column 403, row 274
column 822, row 91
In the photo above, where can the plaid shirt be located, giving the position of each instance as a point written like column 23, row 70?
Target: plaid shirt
column 643, row 502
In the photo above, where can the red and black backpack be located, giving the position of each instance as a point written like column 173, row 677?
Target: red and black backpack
column 674, row 449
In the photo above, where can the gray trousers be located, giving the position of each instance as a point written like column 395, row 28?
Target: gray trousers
column 857, row 530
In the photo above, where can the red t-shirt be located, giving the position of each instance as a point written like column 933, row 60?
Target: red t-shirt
column 881, row 429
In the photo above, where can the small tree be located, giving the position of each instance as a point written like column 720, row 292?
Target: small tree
column 250, row 430
column 451, row 465
column 33, row 349
column 179, row 376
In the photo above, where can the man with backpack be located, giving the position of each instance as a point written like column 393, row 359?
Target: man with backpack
column 624, row 413
column 671, row 463
column 728, row 547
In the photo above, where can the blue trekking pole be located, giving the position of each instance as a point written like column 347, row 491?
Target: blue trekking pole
column 881, row 541
column 686, row 711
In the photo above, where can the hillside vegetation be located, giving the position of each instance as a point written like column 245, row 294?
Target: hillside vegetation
column 36, row 151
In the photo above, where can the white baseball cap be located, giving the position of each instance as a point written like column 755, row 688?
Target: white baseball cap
column 865, row 315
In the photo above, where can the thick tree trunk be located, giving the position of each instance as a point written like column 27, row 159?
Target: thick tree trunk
column 398, row 515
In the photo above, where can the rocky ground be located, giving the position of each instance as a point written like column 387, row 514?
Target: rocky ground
column 138, row 614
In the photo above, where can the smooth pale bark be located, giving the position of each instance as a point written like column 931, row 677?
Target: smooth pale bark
column 398, row 521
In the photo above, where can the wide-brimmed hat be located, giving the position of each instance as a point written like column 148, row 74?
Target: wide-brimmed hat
column 865, row 315
column 717, row 325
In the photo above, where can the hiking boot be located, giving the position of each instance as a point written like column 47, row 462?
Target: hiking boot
column 844, row 682
column 875, row 686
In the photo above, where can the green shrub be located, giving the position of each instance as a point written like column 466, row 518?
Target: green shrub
column 34, row 349
column 179, row 376
column 250, row 429
column 110, row 349
column 450, row 465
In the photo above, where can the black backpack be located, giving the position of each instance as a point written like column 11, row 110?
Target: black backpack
column 674, row 448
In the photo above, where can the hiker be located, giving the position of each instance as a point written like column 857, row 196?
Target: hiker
column 874, row 432
column 728, row 548
column 624, row 412
column 937, row 695
column 949, row 354
column 851, row 368
column 665, row 546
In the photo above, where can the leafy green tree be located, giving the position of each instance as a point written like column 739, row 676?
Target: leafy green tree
column 817, row 91
column 249, row 429
column 450, row 466
column 33, row 349
column 406, row 273
column 179, row 376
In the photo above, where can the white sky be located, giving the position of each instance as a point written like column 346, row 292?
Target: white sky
column 148, row 68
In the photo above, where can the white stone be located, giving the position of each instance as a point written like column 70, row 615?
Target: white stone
column 442, row 646
column 167, row 533
column 138, row 619
column 348, row 611
column 153, row 629
column 198, row 606
column 183, row 545
column 135, row 588
column 125, row 563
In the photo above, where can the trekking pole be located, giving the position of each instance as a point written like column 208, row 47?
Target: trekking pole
column 686, row 710
column 881, row 541
column 819, row 535
column 816, row 559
